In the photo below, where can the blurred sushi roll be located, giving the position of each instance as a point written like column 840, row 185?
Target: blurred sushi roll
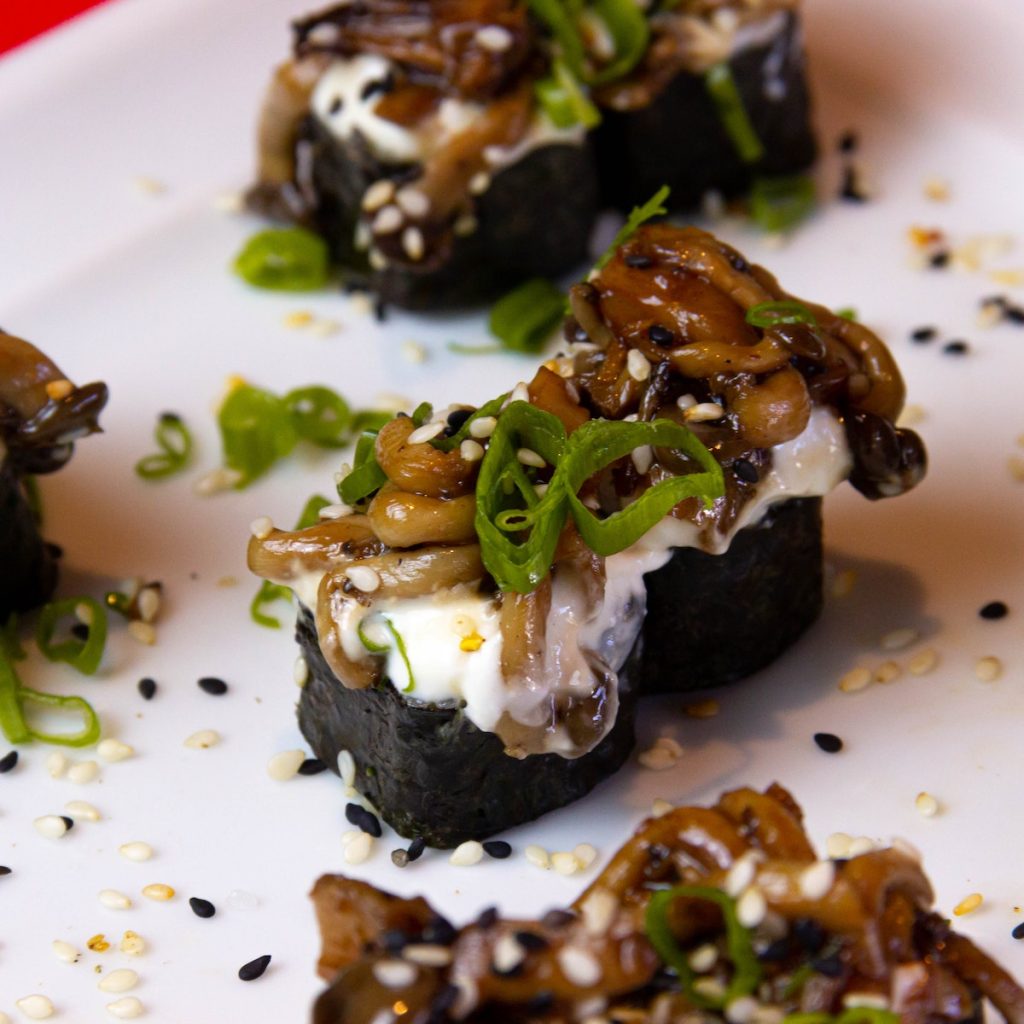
column 409, row 135
column 41, row 415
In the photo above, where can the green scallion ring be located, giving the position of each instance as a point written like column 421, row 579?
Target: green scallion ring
column 786, row 311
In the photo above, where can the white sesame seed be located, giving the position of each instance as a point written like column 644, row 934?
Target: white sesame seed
column 136, row 851
column 660, row 808
column 203, row 740
column 84, row 772
column 359, row 848
column 421, row 435
column 520, row 393
column 56, row 764
column 508, row 953
column 988, row 669
column 664, row 754
column 479, row 183
column 124, row 979
column 867, row 1000
column 482, row 427
column 585, row 854
column 363, row 578
column 638, row 366
column 741, row 1010
column 898, row 639
column 495, row 38
column 927, row 806
column 36, row 1007
column 598, row 911
column 710, row 988
column 112, row 750
column 642, row 458
column 262, row 527
column 751, row 907
column 465, row 854
column 817, row 879
column 703, row 958
column 565, row 863
column 149, row 186
column 854, row 680
column 378, row 261
column 127, row 1008
column 324, row 327
column 427, row 955
column 394, row 973
column 114, row 900
column 229, row 202
column 923, row 662
column 388, row 220
column 65, row 951
column 217, row 480
column 285, row 765
column 300, row 671
column 142, row 632
column 51, row 826
column 158, row 892
column 887, row 672
column 414, row 202
column 471, row 451
column 132, row 944
column 414, row 352
column 79, row 810
column 579, row 966
column 968, row 904
column 741, row 874
column 379, row 194
column 336, row 511
column 703, row 412
column 347, row 767
column 537, row 856
column 685, row 402
column 528, row 457
column 838, row 845
column 413, row 243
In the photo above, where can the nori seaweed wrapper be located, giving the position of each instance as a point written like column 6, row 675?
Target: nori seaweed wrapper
column 534, row 220
column 29, row 563
column 429, row 771
column 679, row 141
column 713, row 619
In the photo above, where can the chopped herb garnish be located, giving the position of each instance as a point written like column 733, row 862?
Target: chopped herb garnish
column 721, row 86
column 654, row 207
column 257, row 429
column 770, row 314
column 564, row 99
column 378, row 647
column 422, row 413
column 473, row 350
column 366, row 476
column 174, row 440
column 524, row 319
column 84, row 655
column 320, row 415
column 284, row 259
column 779, row 204
column 847, row 313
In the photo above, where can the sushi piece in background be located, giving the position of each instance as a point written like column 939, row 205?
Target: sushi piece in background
column 473, row 615
column 41, row 414
column 410, row 137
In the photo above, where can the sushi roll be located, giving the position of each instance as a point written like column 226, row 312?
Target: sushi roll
column 409, row 135
column 472, row 620
column 706, row 914
column 718, row 100
column 41, row 414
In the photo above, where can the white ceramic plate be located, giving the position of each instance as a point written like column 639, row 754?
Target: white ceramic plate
column 132, row 287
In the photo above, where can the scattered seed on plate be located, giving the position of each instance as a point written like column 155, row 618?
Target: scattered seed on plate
column 114, row 900
column 201, row 907
column 98, row 943
column 956, row 348
column 828, row 742
column 8, row 761
column 364, row 820
column 312, row 766
column 254, row 968
column 158, row 891
column 65, row 951
column 988, row 669
column 357, row 847
column 213, row 686
column 4, row 870
column 56, row 764
column 123, row 979
column 143, row 632
column 665, row 753
column 53, row 826
column 923, row 334
column 498, row 849
column 898, row 639
column 147, row 687
column 35, row 1007
column 285, row 765
column 968, row 904
column 83, row 772
column 661, row 807
column 239, row 899
column 994, row 610
column 887, row 672
column 132, row 944
column 1018, row 931
column 126, row 1008
column 854, row 680
column 416, row 848
column 537, row 856
column 81, row 810
column 112, row 751
column 565, row 863
column 927, row 806
column 466, row 854
column 203, row 740
column 923, row 662
column 136, row 851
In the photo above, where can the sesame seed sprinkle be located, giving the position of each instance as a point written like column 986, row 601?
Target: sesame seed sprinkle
column 35, row 1007
column 364, row 820
column 379, row 194
column 421, row 435
column 388, row 220
column 53, row 826
column 579, row 966
column 927, row 806
column 158, row 892
column 83, row 772
column 213, row 686
column 828, row 742
column 127, row 1008
column 413, row 243
column 203, row 739
column 201, row 908
column 994, row 610
column 147, row 688
column 254, row 968
column 123, row 979
column 285, row 765
column 363, row 578
column 136, row 851
column 988, row 669
column 467, row 853
column 498, row 849
column 394, row 974
column 113, row 750
column 638, row 365
column 114, row 900
column 8, row 762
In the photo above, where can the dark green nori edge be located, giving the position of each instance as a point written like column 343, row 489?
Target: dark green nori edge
column 679, row 140
column 429, row 771
column 29, row 563
column 713, row 619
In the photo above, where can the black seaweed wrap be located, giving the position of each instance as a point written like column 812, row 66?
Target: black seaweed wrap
column 431, row 772
column 28, row 564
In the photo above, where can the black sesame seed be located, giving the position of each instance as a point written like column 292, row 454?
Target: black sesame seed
column 558, row 918
column 416, row 848
column 213, row 686
column 829, row 742
column 848, row 142
column 956, row 348
column 850, row 189
column 1017, row 933
column 8, row 761
column 254, row 968
column 363, row 819
column 201, row 907
column 746, row 471
column 439, row 931
column 147, row 687
column 1015, row 314
column 498, row 849
column 775, row 951
column 69, row 823
column 456, row 418
column 335, row 105
column 921, row 334
column 531, row 940
column 638, row 261
column 380, row 311
column 487, row 917
column 939, row 259
column 399, row 858
column 312, row 766
column 809, row 934
column 992, row 610
column 80, row 631
column 830, row 966
column 541, row 1002
column 661, row 335
column 508, row 972
column 4, row 870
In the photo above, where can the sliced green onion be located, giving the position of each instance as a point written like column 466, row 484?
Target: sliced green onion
column 375, row 648
column 524, row 319
column 854, row 1015
column 366, row 476
column 779, row 204
column 564, row 100
column 847, row 313
column 319, row 415
column 257, row 429
column 284, row 259
column 174, row 440
column 559, row 19
column 9, row 641
column 746, row 970
column 732, row 112
column 85, row 737
column 84, row 655
column 654, row 207
column 630, row 33
column 473, row 350
column 787, row 311
column 369, row 419
column 371, row 645
column 310, row 514
column 12, row 720
column 491, row 408
column 422, row 413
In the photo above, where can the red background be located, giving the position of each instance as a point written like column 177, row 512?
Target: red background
column 31, row 17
